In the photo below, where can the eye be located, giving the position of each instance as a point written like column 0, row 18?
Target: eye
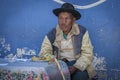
column 67, row 18
column 85, row 6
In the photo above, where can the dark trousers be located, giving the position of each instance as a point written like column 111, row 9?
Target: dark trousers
column 78, row 75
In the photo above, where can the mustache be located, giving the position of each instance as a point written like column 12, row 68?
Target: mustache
column 62, row 25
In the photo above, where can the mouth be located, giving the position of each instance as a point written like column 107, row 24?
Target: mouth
column 63, row 27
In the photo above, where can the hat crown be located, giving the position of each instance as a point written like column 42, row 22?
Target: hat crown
column 67, row 6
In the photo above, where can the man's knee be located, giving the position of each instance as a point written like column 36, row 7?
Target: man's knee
column 80, row 75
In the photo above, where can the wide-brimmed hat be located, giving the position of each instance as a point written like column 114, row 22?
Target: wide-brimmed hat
column 67, row 7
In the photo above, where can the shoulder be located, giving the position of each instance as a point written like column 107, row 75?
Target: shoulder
column 82, row 29
column 51, row 34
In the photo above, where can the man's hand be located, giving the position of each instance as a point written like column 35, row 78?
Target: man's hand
column 72, row 69
column 65, row 60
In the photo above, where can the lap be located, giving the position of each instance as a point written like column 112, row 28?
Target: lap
column 78, row 75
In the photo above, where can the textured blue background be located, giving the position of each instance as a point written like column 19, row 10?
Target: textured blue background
column 24, row 23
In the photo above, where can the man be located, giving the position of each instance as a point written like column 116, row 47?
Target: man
column 70, row 42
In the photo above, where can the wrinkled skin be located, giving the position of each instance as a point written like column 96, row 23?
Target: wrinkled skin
column 65, row 21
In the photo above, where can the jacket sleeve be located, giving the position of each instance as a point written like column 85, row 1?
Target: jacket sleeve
column 46, row 47
column 86, row 55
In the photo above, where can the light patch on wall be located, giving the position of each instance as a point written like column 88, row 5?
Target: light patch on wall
column 83, row 7
column 4, row 44
column 99, row 62
column 25, row 51
column 22, row 53
column 4, row 47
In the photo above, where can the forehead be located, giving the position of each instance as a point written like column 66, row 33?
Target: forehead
column 65, row 14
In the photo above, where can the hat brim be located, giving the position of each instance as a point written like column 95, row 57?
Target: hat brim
column 75, row 13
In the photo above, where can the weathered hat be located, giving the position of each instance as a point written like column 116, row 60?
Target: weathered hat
column 67, row 7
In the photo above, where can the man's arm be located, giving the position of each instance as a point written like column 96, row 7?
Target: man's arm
column 46, row 48
column 86, row 55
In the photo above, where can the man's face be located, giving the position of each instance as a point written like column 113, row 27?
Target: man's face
column 65, row 21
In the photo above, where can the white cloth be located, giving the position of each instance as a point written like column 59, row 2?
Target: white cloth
column 66, row 50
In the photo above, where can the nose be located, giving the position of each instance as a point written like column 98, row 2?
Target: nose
column 63, row 21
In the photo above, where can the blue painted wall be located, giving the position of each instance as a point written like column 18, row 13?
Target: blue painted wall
column 24, row 23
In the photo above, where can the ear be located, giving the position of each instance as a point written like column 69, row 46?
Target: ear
column 74, row 19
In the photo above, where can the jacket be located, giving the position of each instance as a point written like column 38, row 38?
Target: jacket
column 83, row 49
